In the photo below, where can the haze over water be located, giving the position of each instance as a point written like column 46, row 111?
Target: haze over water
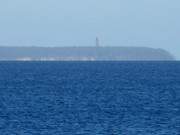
column 149, row 23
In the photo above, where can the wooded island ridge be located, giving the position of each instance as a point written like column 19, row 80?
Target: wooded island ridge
column 84, row 54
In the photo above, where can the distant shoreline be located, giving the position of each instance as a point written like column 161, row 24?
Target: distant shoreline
column 84, row 54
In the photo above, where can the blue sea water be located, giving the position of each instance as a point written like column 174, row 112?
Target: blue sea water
column 89, row 98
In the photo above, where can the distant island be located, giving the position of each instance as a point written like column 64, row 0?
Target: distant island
column 96, row 53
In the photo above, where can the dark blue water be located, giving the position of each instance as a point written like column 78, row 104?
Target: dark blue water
column 89, row 98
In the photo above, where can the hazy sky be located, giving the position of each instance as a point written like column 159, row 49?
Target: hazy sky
column 151, row 23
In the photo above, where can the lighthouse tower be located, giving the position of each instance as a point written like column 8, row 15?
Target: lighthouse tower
column 97, row 42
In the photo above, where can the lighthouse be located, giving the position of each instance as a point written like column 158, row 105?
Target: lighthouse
column 97, row 42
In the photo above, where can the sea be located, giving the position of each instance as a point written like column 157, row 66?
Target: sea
column 90, row 98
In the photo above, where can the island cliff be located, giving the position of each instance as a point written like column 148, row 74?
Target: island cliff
column 85, row 53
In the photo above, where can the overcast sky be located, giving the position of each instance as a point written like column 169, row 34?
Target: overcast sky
column 150, row 23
